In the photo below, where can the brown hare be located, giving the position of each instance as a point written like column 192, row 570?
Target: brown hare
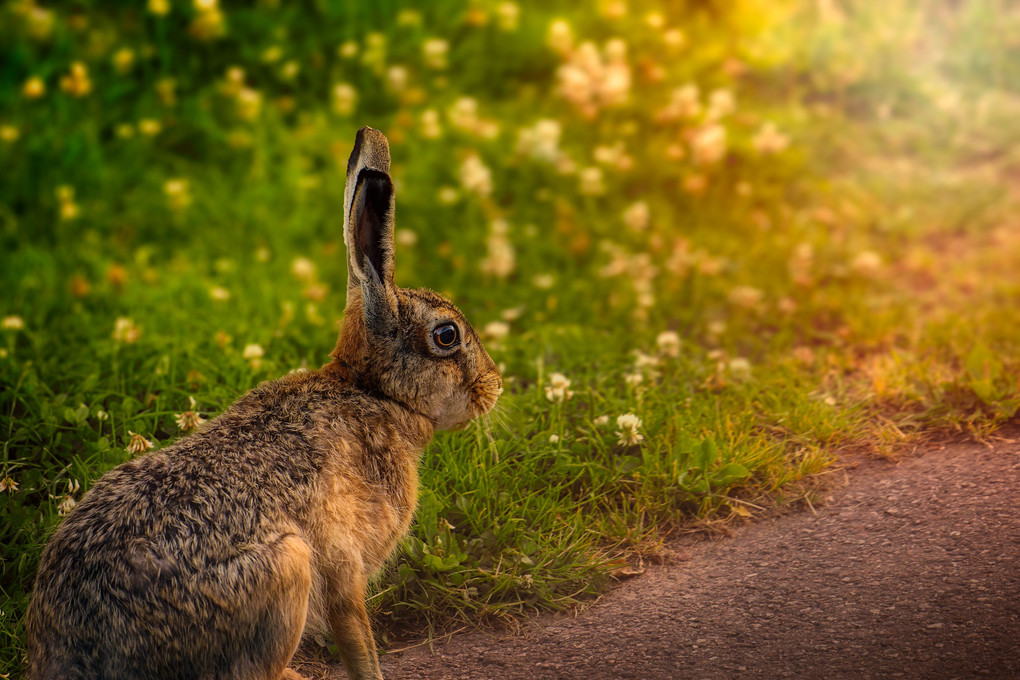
column 211, row 557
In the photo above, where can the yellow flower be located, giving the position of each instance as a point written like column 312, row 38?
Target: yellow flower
column 166, row 90
column 69, row 211
column 208, row 23
column 348, row 50
column 149, row 127
column 9, row 133
column 76, row 83
column 249, row 103
column 178, row 194
column 123, row 59
column 159, row 7
column 34, row 88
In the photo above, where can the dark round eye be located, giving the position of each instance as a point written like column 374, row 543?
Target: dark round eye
column 446, row 335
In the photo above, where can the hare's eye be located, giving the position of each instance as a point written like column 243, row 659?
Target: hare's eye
column 446, row 335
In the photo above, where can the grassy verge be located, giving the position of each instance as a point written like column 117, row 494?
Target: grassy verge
column 708, row 255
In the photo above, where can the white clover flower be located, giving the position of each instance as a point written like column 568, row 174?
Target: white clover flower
column 739, row 367
column 668, row 343
column 637, row 216
column 867, row 263
column 508, row 14
column 591, row 181
column 137, row 444
column 430, row 126
column 447, row 195
column 344, row 99
column 684, row 103
column 189, row 420
column 601, row 421
column 434, row 53
column 475, row 176
column 500, row 259
column 406, row 238
column 769, row 140
column 496, row 330
column 628, row 433
column 720, row 104
column 66, row 505
column 396, row 78
column 253, row 351
column 541, row 141
column 747, row 297
column 464, row 114
column 125, row 330
column 674, row 38
column 303, row 269
column 219, row 293
column 554, row 439
column 708, row 144
column 12, row 323
column 560, row 37
column 633, row 379
column 512, row 313
column 558, row 389
column 543, row 281
column 644, row 361
column 8, row 484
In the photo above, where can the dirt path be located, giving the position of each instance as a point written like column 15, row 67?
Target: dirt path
column 911, row 571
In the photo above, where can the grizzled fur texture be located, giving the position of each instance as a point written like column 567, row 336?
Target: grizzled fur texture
column 212, row 557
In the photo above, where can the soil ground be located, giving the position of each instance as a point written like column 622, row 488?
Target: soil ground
column 911, row 570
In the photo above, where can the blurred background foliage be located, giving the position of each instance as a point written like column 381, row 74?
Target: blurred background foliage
column 711, row 244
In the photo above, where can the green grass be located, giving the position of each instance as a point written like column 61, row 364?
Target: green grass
column 854, row 290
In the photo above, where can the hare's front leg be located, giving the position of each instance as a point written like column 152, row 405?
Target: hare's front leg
column 348, row 620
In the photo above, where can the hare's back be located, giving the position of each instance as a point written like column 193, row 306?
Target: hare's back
column 161, row 559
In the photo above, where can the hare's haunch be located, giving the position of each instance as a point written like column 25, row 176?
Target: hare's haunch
column 211, row 557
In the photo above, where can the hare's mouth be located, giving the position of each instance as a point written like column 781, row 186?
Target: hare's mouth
column 485, row 392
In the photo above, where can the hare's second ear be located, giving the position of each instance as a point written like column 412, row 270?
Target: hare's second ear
column 369, row 238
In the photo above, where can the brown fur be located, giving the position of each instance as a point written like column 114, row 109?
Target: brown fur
column 210, row 558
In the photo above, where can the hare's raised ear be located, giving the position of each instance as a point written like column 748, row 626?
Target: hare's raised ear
column 368, row 225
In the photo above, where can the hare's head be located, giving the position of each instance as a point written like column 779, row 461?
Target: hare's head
column 411, row 346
